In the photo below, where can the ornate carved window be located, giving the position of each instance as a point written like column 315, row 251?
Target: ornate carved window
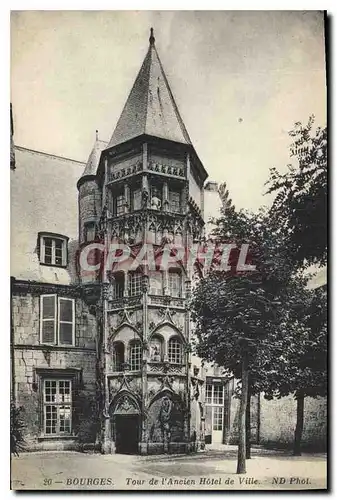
column 135, row 357
column 175, row 351
column 174, row 201
column 52, row 249
column 174, row 284
column 119, row 204
column 118, row 286
column 117, row 356
column 156, row 283
column 57, row 320
column 135, row 284
column 137, row 199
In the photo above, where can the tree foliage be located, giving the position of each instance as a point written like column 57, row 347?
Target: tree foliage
column 17, row 429
column 267, row 317
column 300, row 205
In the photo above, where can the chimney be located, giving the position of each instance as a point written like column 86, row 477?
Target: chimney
column 212, row 204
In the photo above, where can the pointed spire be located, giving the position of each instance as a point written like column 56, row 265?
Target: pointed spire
column 94, row 158
column 152, row 38
column 150, row 108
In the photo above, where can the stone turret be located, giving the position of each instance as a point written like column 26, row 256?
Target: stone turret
column 90, row 194
column 152, row 180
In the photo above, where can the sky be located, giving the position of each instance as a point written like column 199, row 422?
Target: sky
column 241, row 79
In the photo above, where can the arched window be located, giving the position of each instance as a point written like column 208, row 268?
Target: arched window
column 117, row 356
column 156, row 349
column 175, row 351
column 135, row 358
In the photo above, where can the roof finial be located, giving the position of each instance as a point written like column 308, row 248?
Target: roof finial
column 152, row 38
column 96, row 135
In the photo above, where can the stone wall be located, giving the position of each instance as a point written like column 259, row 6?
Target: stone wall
column 33, row 361
column 278, row 422
column 26, row 320
column 233, row 433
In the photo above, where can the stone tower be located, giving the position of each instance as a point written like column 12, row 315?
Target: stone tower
column 145, row 187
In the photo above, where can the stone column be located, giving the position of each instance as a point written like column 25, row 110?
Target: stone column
column 165, row 197
column 145, row 156
column 202, row 199
column 188, row 367
column 127, row 206
column 143, row 436
column 126, row 284
column 103, row 324
column 165, row 282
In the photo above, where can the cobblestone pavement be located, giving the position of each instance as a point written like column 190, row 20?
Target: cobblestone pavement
column 212, row 469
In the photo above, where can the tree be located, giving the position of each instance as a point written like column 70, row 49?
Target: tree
column 303, row 371
column 234, row 311
column 300, row 204
column 17, row 429
column 232, row 315
column 256, row 324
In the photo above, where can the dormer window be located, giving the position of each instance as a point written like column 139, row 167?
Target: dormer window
column 53, row 249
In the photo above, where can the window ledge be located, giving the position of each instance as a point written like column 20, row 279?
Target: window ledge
column 59, row 266
column 56, row 438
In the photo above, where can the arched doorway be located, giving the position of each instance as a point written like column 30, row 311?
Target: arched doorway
column 126, row 425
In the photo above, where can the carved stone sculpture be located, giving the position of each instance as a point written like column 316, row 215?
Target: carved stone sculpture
column 165, row 417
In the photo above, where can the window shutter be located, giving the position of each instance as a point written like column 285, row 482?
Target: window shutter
column 48, row 319
column 66, row 321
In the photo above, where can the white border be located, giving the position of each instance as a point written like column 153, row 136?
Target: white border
column 330, row 5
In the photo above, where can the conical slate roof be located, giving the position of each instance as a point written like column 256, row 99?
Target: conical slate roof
column 150, row 108
column 94, row 157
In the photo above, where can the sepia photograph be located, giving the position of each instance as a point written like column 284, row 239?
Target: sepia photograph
column 168, row 248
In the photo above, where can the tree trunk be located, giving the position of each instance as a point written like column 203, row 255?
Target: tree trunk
column 299, row 424
column 248, row 432
column 241, row 465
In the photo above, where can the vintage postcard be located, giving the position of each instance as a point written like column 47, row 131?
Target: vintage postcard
column 168, row 250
